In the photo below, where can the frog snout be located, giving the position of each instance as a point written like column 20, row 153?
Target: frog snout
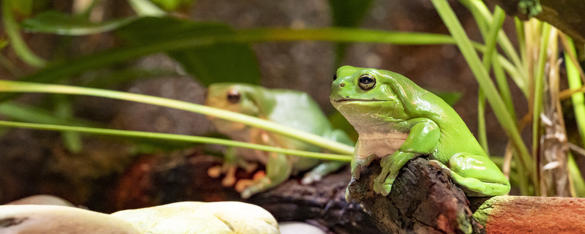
column 342, row 84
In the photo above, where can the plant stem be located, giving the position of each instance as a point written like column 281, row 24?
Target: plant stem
column 482, row 76
column 579, row 109
column 175, row 137
column 18, row 44
column 490, row 45
column 538, row 92
column 16, row 86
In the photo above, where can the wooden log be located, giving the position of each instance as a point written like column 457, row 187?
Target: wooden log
column 523, row 214
column 423, row 200
column 567, row 15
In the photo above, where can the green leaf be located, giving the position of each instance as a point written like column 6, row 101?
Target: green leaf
column 171, row 5
column 22, row 112
column 63, row 70
column 12, row 30
column 220, row 62
column 145, row 8
column 63, row 24
column 22, row 7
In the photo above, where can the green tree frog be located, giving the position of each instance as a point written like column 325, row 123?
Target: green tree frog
column 397, row 120
column 287, row 107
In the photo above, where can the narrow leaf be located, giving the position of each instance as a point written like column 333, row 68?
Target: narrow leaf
column 221, row 62
column 63, row 24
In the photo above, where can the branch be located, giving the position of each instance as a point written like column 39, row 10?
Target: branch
column 567, row 15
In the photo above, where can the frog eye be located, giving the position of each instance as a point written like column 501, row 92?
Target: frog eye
column 233, row 96
column 334, row 76
column 366, row 81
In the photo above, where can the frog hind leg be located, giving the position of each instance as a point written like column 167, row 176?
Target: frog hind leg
column 323, row 169
column 478, row 175
column 278, row 169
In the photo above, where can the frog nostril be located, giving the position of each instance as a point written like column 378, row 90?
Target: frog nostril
column 342, row 84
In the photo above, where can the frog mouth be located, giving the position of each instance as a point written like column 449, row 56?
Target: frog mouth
column 358, row 99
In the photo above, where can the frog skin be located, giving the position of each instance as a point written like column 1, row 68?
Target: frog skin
column 397, row 120
column 287, row 107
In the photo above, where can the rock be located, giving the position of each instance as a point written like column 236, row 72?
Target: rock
column 41, row 199
column 201, row 217
column 299, row 227
column 31, row 219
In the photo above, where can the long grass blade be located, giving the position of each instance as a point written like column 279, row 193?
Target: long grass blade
column 16, row 86
column 174, row 137
column 482, row 76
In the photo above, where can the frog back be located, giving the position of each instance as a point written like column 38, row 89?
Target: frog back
column 299, row 111
column 455, row 135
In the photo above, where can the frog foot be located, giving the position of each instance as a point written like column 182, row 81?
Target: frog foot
column 243, row 184
column 383, row 184
column 311, row 177
column 438, row 164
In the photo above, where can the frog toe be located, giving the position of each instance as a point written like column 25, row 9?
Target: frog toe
column 383, row 185
column 214, row 172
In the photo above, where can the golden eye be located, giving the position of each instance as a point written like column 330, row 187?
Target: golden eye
column 233, row 96
column 366, row 81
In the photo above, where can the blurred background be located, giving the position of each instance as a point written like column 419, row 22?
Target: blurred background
column 77, row 42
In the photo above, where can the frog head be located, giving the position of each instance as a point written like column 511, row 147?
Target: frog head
column 367, row 97
column 240, row 98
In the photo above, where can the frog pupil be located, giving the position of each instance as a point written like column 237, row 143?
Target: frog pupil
column 233, row 96
column 334, row 76
column 366, row 82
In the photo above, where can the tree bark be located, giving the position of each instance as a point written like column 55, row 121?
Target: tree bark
column 423, row 199
column 523, row 214
column 567, row 15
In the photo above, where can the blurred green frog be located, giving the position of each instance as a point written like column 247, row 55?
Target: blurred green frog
column 287, row 107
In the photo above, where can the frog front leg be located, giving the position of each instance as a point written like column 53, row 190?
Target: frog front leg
column 231, row 162
column 278, row 169
column 477, row 174
column 228, row 167
column 423, row 138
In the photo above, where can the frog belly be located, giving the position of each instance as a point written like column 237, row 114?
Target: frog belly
column 379, row 144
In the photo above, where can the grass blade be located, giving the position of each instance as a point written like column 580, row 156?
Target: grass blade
column 18, row 44
column 16, row 86
column 482, row 76
column 174, row 137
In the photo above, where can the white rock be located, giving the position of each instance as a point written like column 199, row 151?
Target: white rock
column 201, row 217
column 41, row 199
column 32, row 219
column 298, row 227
